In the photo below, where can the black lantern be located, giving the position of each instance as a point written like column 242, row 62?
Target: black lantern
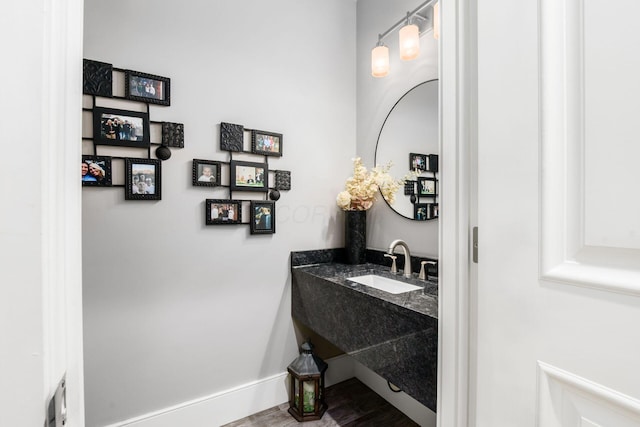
column 306, row 391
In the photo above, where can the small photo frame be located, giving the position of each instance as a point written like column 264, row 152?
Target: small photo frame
column 426, row 186
column 147, row 88
column 267, row 143
column 421, row 211
column 206, row 173
column 142, row 179
column 263, row 217
column 249, row 176
column 434, row 211
column 96, row 171
column 220, row 212
column 418, row 162
column 120, row 127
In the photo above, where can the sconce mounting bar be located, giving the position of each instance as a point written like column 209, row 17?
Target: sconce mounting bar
column 411, row 14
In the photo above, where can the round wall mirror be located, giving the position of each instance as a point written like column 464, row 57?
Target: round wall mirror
column 409, row 139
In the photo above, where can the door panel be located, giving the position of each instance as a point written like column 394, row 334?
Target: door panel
column 568, row 400
column 558, row 296
column 590, row 228
column 611, row 148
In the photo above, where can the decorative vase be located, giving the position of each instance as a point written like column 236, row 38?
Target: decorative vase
column 355, row 236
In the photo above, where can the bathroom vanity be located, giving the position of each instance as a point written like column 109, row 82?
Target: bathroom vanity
column 393, row 334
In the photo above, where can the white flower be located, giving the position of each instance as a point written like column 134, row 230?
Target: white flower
column 362, row 187
column 344, row 200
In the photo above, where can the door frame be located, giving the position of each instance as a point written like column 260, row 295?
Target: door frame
column 458, row 136
column 62, row 280
column 61, row 192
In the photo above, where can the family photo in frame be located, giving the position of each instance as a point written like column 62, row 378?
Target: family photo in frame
column 433, row 210
column 267, row 143
column 249, row 176
column 120, row 127
column 423, row 162
column 96, row 171
column 142, row 179
column 426, row 186
column 206, row 173
column 425, row 211
column 219, row 211
column 263, row 217
column 147, row 88
column 418, row 162
column 421, row 211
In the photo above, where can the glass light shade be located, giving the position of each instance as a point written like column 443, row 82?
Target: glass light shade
column 409, row 42
column 436, row 21
column 380, row 61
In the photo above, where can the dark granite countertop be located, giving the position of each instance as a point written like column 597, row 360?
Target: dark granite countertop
column 395, row 335
column 423, row 301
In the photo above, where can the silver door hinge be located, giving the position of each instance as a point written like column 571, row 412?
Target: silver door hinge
column 475, row 244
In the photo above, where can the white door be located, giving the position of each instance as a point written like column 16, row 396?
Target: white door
column 557, row 310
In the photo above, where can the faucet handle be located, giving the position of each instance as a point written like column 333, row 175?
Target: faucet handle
column 422, row 275
column 432, row 266
column 394, row 268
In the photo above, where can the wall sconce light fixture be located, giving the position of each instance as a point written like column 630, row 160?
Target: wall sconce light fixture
column 409, row 36
column 436, row 21
column 380, row 60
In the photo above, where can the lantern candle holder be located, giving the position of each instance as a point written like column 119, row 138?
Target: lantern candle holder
column 306, row 391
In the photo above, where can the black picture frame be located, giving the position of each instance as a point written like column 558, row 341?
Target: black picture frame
column 206, row 173
column 147, row 88
column 110, row 127
column 249, row 176
column 418, row 162
column 427, row 187
column 223, row 212
column 421, row 211
column 434, row 210
column 96, row 171
column 137, row 171
column 266, row 143
column 263, row 217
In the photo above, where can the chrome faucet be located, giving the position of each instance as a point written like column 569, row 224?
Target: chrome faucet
column 407, row 255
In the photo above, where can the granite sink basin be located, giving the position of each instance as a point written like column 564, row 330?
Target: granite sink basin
column 384, row 284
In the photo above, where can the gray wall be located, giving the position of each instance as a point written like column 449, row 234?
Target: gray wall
column 174, row 310
column 375, row 98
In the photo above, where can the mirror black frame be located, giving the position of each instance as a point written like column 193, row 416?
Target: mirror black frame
column 375, row 157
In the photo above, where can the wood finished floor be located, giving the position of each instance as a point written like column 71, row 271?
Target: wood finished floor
column 350, row 403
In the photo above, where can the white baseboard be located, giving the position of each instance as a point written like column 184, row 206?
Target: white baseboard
column 236, row 403
column 405, row 403
column 239, row 402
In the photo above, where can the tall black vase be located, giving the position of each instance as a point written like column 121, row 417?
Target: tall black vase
column 355, row 236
